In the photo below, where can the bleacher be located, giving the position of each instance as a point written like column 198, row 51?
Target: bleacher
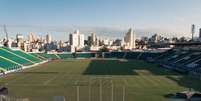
column 23, row 54
column 6, row 65
column 85, row 55
column 38, row 56
column 180, row 59
column 189, row 58
column 12, row 59
column 196, row 73
column 12, row 56
column 48, row 56
column 178, row 56
column 65, row 55
column 132, row 55
column 148, row 55
column 166, row 54
column 198, row 63
column 106, row 55
column 117, row 54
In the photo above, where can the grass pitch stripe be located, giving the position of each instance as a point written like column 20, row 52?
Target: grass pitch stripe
column 17, row 55
column 10, row 60
column 148, row 79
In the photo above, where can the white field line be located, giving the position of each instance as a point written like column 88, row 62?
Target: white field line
column 152, row 81
column 51, row 79
column 125, row 82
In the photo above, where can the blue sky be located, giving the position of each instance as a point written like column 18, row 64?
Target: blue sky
column 62, row 16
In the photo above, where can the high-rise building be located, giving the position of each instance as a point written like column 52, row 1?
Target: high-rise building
column 32, row 37
column 20, row 41
column 48, row 38
column 193, row 31
column 200, row 33
column 19, row 38
column 129, row 39
column 94, row 41
column 76, row 41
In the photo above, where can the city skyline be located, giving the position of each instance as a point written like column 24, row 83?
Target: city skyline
column 108, row 33
column 108, row 17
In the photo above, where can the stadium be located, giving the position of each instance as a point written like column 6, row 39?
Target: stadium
column 99, row 76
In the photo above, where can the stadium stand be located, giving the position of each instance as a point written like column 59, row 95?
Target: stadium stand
column 196, row 73
column 6, row 65
column 117, row 54
column 189, row 58
column 132, row 55
column 65, row 55
column 12, row 60
column 85, row 55
column 106, row 55
column 165, row 55
column 48, row 56
column 78, row 55
column 177, row 56
column 23, row 54
column 179, row 59
column 148, row 55
column 38, row 56
column 12, row 56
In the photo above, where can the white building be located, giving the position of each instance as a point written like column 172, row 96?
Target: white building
column 32, row 37
column 76, row 41
column 129, row 40
column 20, row 40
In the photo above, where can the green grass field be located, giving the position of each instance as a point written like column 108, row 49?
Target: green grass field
column 98, row 80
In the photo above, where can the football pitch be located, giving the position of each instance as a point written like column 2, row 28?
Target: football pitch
column 98, row 80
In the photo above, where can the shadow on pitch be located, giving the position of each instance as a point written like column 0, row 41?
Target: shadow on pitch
column 187, row 82
column 128, row 67
column 109, row 67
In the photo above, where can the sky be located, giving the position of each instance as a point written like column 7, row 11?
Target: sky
column 106, row 17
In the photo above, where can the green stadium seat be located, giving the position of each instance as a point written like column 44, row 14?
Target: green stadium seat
column 25, row 55
column 6, row 65
column 48, row 56
column 11, row 56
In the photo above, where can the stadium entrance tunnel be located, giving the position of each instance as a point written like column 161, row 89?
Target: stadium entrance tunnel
column 127, row 67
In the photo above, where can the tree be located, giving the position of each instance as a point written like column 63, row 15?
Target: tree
column 104, row 49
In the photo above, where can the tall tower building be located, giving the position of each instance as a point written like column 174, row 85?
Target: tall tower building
column 76, row 41
column 48, row 38
column 193, row 31
column 130, row 39
column 20, row 40
column 32, row 37
column 93, row 39
column 200, row 33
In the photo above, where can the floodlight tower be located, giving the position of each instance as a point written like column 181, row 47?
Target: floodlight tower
column 5, row 31
column 192, row 31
